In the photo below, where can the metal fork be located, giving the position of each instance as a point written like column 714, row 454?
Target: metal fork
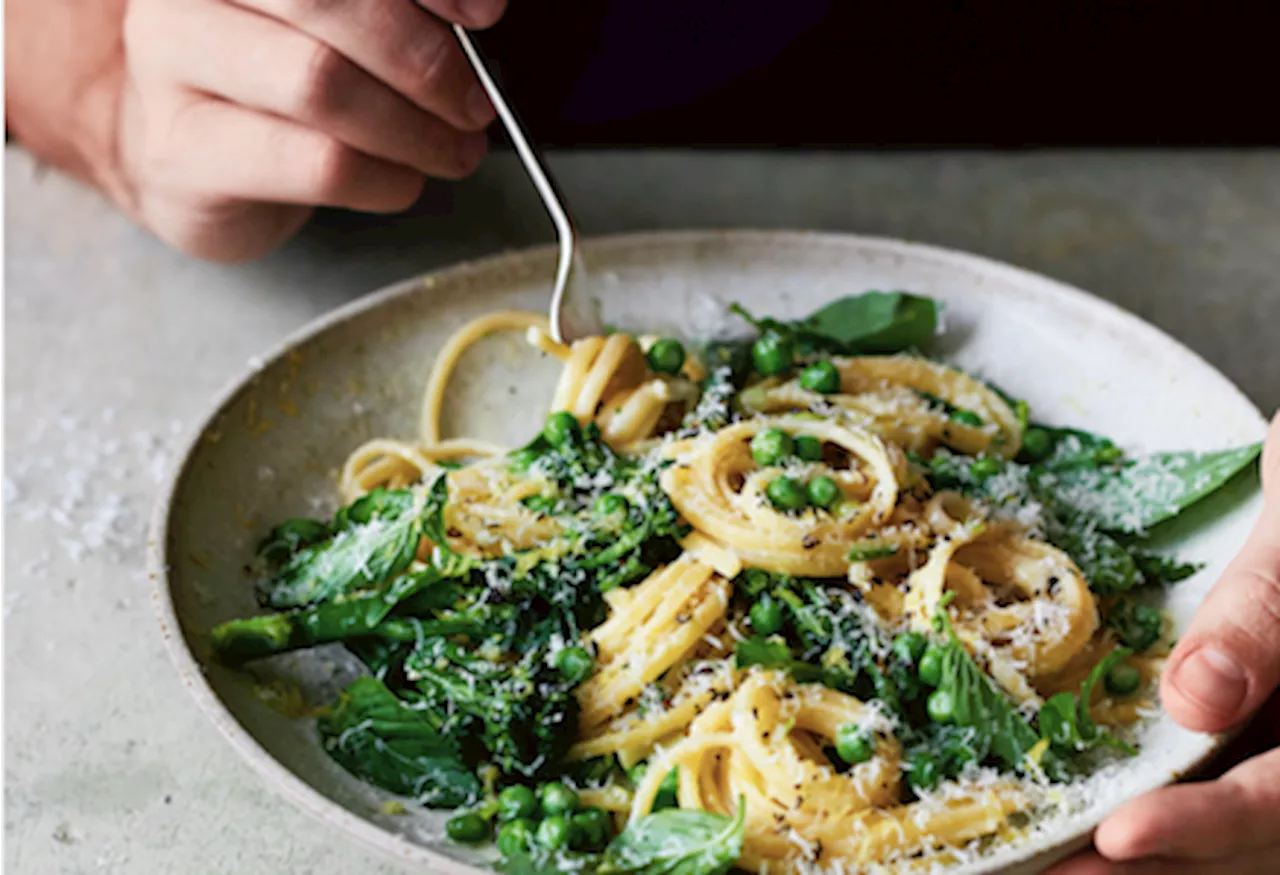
column 571, row 315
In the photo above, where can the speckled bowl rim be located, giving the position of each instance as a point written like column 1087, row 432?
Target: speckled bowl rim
column 1054, row 847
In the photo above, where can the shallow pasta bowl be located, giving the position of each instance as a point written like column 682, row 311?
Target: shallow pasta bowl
column 270, row 449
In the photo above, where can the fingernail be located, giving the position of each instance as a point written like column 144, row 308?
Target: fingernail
column 479, row 109
column 482, row 13
column 1213, row 680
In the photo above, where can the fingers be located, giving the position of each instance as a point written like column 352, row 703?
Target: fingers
column 1236, row 813
column 400, row 44
column 229, row 152
column 473, row 14
column 252, row 60
column 1089, row 863
column 1227, row 663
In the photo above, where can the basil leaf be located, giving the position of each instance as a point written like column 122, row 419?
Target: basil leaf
column 1065, row 720
column 374, row 539
column 980, row 704
column 872, row 323
column 374, row 736
column 677, row 841
column 876, row 322
column 1134, row 496
column 767, row 652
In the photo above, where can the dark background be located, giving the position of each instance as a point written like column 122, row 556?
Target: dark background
column 921, row 73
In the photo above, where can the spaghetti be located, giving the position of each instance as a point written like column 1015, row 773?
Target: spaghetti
column 890, row 548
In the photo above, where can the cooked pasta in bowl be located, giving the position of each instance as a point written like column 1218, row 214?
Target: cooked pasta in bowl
column 809, row 588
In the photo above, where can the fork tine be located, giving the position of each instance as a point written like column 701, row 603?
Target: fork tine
column 544, row 182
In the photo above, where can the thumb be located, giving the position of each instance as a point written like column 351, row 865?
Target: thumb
column 1227, row 663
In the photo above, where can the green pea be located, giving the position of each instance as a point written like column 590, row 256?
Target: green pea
column 517, row 801
column 609, row 504
column 1123, row 680
column 515, row 836
column 771, row 446
column 556, row 798
column 786, row 494
column 469, row 828
column 910, row 646
column 554, row 832
column 922, row 771
column 823, row 492
column 771, row 355
column 666, row 356
column 1037, row 443
column 575, row 665
column 590, row 829
column 809, row 448
column 966, row 417
column 941, row 707
column 561, row 428
column 853, row 745
column 984, row 468
column 821, row 377
column 930, row 667
column 766, row 615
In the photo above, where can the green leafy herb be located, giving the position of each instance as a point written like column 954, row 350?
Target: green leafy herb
column 775, row 653
column 522, row 713
column 376, row 737
column 372, row 540
column 1164, row 569
column 877, row 322
column 1065, row 719
column 1134, row 496
column 873, row 322
column 1138, row 625
column 672, row 841
column 677, row 842
column 978, row 704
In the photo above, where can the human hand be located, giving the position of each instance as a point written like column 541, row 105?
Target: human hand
column 1225, row 669
column 238, row 118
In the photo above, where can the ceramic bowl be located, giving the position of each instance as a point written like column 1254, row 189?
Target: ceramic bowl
column 272, row 443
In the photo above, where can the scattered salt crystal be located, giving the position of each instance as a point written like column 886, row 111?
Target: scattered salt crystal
column 256, row 363
column 266, row 473
column 12, row 492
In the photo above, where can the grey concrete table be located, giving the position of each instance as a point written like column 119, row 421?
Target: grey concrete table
column 114, row 344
